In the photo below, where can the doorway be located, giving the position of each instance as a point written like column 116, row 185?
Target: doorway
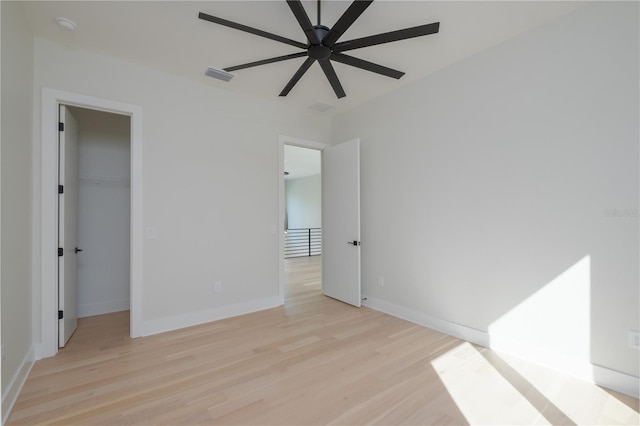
column 51, row 100
column 300, row 214
column 303, row 221
column 340, row 170
column 103, row 222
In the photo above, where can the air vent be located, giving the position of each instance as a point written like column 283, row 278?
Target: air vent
column 219, row 74
column 319, row 106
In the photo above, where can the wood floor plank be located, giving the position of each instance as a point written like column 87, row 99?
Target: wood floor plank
column 313, row 361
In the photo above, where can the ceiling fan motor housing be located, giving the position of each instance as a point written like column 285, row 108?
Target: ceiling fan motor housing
column 319, row 51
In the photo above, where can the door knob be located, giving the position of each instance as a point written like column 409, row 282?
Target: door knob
column 77, row 250
column 353, row 243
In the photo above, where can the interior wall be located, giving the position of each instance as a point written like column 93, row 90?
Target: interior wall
column 210, row 183
column 304, row 201
column 510, row 180
column 104, row 211
column 16, row 192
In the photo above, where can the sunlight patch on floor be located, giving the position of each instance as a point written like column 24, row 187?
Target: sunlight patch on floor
column 490, row 388
column 581, row 401
column 481, row 393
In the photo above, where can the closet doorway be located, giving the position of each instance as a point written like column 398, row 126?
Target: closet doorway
column 102, row 215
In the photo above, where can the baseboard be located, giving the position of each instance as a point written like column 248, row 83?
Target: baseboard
column 195, row 318
column 563, row 363
column 602, row 376
column 16, row 383
column 91, row 309
column 579, row 368
column 617, row 381
column 457, row 330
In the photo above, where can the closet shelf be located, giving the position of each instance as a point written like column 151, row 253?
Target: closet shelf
column 111, row 181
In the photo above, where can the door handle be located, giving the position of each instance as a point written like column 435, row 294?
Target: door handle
column 77, row 250
column 353, row 243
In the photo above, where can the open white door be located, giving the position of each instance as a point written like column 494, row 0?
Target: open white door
column 67, row 226
column 341, row 222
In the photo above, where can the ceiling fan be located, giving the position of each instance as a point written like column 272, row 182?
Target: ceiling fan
column 323, row 45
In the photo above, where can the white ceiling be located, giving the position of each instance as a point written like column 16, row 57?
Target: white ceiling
column 168, row 35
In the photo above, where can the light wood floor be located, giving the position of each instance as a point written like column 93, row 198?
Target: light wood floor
column 313, row 361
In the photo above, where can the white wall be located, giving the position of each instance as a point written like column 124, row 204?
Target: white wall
column 104, row 211
column 486, row 181
column 304, row 201
column 16, row 196
column 487, row 191
column 202, row 147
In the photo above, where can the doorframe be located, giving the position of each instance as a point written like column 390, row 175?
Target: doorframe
column 302, row 143
column 51, row 99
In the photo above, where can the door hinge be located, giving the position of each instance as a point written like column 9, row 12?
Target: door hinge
column 60, row 314
column 60, row 251
column 60, row 189
column 61, row 127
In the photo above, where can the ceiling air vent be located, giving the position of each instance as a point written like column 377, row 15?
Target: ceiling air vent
column 219, row 74
column 319, row 106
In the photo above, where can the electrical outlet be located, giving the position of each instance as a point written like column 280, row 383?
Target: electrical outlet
column 380, row 281
column 217, row 287
column 634, row 339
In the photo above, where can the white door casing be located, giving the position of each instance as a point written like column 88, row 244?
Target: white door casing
column 47, row 240
column 341, row 222
column 67, row 226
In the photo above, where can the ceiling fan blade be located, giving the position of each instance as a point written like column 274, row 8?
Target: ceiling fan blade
column 389, row 37
column 266, row 61
column 332, row 77
column 303, row 19
column 250, row 30
column 303, row 68
column 348, row 17
column 365, row 65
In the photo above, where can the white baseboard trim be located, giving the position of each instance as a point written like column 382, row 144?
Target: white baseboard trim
column 457, row 330
column 195, row 318
column 602, row 376
column 17, row 382
column 91, row 309
column 617, row 381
